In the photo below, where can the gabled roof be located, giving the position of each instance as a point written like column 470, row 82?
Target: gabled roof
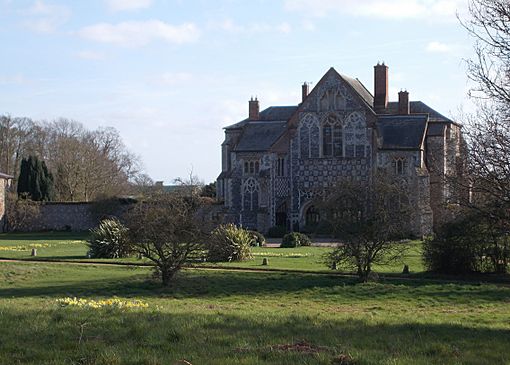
column 360, row 89
column 402, row 132
column 271, row 114
column 419, row 107
column 260, row 136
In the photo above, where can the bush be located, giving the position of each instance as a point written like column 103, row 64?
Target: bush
column 277, row 232
column 467, row 245
column 109, row 240
column 258, row 239
column 295, row 239
column 229, row 243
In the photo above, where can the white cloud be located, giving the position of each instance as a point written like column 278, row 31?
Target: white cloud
column 254, row 28
column 389, row 9
column 123, row 5
column 438, row 47
column 140, row 33
column 43, row 17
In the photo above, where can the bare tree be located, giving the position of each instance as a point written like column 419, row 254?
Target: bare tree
column 165, row 229
column 489, row 24
column 370, row 219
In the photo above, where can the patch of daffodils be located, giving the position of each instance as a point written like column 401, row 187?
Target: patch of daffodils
column 34, row 245
column 102, row 303
column 277, row 254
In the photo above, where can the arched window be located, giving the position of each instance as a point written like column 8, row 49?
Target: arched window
column 355, row 135
column 250, row 194
column 332, row 139
column 309, row 127
column 399, row 166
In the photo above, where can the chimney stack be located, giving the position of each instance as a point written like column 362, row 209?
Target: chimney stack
column 304, row 91
column 403, row 102
column 380, row 87
column 253, row 109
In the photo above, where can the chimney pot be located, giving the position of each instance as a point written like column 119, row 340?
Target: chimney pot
column 304, row 91
column 253, row 109
column 403, row 103
column 380, row 87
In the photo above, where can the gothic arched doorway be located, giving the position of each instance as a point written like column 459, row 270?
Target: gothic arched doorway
column 312, row 216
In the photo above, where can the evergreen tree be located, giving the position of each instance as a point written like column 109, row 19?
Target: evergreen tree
column 35, row 180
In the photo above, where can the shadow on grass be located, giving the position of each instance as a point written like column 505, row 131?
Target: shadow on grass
column 45, row 236
column 214, row 337
column 136, row 281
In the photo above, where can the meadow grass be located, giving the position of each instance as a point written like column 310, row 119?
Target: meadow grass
column 228, row 317
column 72, row 246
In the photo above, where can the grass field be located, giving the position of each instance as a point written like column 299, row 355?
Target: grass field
column 227, row 317
column 239, row 317
column 71, row 246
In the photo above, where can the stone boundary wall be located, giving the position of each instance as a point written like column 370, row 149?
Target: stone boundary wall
column 73, row 216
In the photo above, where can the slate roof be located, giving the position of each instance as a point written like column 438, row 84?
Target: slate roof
column 419, row 107
column 260, row 135
column 436, row 129
column 401, row 131
column 271, row 114
column 360, row 89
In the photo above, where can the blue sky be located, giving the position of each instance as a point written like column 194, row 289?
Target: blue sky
column 169, row 74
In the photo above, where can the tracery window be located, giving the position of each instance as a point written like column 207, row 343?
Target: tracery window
column 308, row 129
column 250, row 194
column 332, row 141
column 355, row 135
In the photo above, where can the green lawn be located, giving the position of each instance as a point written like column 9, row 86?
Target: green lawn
column 71, row 246
column 226, row 317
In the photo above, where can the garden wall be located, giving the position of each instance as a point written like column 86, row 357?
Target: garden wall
column 75, row 216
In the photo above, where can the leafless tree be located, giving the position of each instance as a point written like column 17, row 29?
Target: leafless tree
column 87, row 165
column 165, row 229
column 489, row 25
column 370, row 219
column 487, row 131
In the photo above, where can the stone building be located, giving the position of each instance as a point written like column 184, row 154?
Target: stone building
column 275, row 162
column 5, row 181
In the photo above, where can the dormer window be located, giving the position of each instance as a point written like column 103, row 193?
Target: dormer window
column 251, row 167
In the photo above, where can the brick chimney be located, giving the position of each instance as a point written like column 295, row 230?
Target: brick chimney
column 380, row 86
column 304, row 91
column 253, row 109
column 403, row 102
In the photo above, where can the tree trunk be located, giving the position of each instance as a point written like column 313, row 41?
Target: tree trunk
column 167, row 275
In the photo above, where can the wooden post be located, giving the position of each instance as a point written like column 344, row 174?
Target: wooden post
column 34, row 252
column 265, row 261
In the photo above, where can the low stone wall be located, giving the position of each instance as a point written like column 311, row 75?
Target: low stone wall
column 63, row 217
column 73, row 216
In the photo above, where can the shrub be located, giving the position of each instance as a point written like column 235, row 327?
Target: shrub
column 469, row 244
column 229, row 243
column 109, row 240
column 258, row 239
column 277, row 232
column 295, row 239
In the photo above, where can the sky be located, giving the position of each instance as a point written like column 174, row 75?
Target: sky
column 170, row 74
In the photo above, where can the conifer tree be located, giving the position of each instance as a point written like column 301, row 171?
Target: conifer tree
column 35, row 180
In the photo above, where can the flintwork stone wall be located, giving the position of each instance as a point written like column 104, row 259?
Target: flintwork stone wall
column 3, row 186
